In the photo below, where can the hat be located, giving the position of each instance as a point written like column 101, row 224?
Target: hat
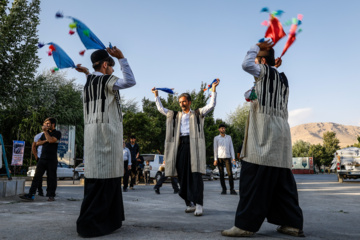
column 99, row 55
column 267, row 53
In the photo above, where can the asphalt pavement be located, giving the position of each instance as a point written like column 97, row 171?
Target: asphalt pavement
column 331, row 211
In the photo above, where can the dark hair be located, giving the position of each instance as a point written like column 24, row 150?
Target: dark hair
column 222, row 125
column 109, row 60
column 269, row 60
column 132, row 136
column 188, row 97
column 51, row 119
column 269, row 56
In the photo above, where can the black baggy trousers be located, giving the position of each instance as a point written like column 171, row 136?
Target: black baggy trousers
column 191, row 183
column 267, row 192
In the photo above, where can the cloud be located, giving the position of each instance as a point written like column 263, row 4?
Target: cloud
column 299, row 116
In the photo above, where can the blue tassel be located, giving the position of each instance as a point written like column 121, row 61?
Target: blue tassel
column 110, row 46
column 265, row 9
column 40, row 45
column 279, row 13
column 262, row 40
column 59, row 15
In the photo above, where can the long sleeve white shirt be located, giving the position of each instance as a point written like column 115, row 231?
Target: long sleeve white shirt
column 127, row 155
column 249, row 64
column 185, row 118
column 127, row 81
column 223, row 147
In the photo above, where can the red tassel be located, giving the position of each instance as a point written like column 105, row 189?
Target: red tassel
column 52, row 47
column 71, row 32
column 49, row 53
column 82, row 52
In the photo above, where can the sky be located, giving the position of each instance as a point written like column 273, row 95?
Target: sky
column 180, row 44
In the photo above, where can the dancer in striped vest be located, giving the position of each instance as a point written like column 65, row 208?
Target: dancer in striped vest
column 102, row 210
column 267, row 185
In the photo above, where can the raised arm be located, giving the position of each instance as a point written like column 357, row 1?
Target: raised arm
column 129, row 79
column 159, row 105
column 205, row 110
column 249, row 64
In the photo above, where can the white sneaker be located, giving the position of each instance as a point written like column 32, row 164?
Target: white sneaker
column 190, row 209
column 199, row 210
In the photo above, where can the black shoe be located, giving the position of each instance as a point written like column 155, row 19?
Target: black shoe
column 176, row 191
column 157, row 191
column 51, row 199
column 41, row 194
column 233, row 192
column 125, row 190
column 223, row 192
column 27, row 197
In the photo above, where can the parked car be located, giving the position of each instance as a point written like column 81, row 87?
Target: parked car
column 235, row 170
column 209, row 174
column 347, row 163
column 156, row 162
column 79, row 171
column 63, row 171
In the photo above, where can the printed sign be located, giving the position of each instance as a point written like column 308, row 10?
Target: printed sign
column 66, row 146
column 18, row 153
column 302, row 163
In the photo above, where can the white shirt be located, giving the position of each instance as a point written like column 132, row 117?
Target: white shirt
column 127, row 155
column 39, row 148
column 249, row 64
column 223, row 147
column 129, row 79
column 185, row 118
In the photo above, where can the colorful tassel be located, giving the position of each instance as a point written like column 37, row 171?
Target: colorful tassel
column 265, row 9
column 71, row 32
column 52, row 47
column 59, row 15
column 82, row 52
column 265, row 23
column 49, row 53
column 72, row 25
column 40, row 45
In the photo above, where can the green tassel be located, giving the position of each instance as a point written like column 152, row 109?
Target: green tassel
column 253, row 95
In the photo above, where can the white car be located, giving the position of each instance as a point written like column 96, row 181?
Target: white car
column 155, row 161
column 63, row 171
column 79, row 171
column 235, row 171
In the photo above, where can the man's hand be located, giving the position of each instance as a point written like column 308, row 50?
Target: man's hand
column 278, row 62
column 115, row 52
column 215, row 163
column 80, row 68
column 266, row 45
column 129, row 167
column 215, row 84
column 155, row 92
column 44, row 128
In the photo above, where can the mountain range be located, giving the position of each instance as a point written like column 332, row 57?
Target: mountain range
column 313, row 133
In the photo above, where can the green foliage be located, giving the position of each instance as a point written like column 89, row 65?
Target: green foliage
column 237, row 120
column 331, row 144
column 301, row 149
column 317, row 152
column 49, row 95
column 18, row 37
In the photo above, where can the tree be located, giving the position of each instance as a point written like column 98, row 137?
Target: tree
column 358, row 143
column 18, row 37
column 331, row 144
column 301, row 149
column 50, row 95
column 317, row 152
column 237, row 120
